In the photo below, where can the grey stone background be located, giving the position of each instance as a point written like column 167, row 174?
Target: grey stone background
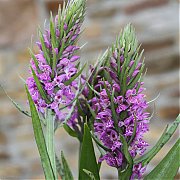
column 156, row 23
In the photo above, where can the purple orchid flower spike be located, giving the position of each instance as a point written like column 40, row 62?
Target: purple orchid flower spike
column 120, row 104
column 53, row 83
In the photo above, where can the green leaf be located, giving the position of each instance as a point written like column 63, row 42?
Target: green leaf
column 95, row 71
column 90, row 174
column 70, row 112
column 59, row 168
column 126, row 174
column 136, row 78
column 20, row 108
column 74, row 101
column 40, row 141
column 68, row 82
column 50, row 120
column 87, row 158
column 97, row 93
column 168, row 167
column 107, row 76
column 81, row 110
column 78, row 93
column 70, row 131
column 124, row 81
column 44, row 49
column 136, row 61
column 39, row 86
column 114, row 115
column 99, row 143
column 35, row 60
column 62, row 45
column 134, row 132
column 168, row 132
column 52, row 31
column 92, row 111
column 16, row 104
column 67, row 172
column 54, row 62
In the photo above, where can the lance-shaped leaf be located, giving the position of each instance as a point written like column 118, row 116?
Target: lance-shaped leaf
column 97, row 93
column 78, row 93
column 44, row 48
column 67, row 172
column 59, row 168
column 126, row 174
column 62, row 45
column 70, row 131
column 136, row 78
column 54, row 61
column 99, row 143
column 20, row 108
column 90, row 174
column 134, row 131
column 81, row 110
column 124, row 82
column 16, row 104
column 167, row 134
column 136, row 61
column 87, row 158
column 114, row 115
column 128, row 42
column 99, row 63
column 40, row 141
column 39, row 86
column 91, row 111
column 73, row 103
column 68, row 82
column 35, row 60
column 168, row 167
column 52, row 31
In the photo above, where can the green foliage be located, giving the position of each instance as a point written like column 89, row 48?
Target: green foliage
column 16, row 104
column 40, row 141
column 70, row 131
column 68, row 82
column 167, row 134
column 35, row 60
column 40, row 88
column 44, row 48
column 168, row 167
column 126, row 174
column 87, row 157
column 59, row 167
column 67, row 172
column 90, row 174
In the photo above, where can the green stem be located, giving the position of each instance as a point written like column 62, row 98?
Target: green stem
column 50, row 140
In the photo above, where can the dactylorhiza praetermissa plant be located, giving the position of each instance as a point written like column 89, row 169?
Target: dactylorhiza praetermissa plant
column 112, row 112
column 117, row 98
column 54, row 69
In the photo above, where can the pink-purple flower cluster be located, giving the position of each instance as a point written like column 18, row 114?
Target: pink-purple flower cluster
column 53, row 78
column 130, row 119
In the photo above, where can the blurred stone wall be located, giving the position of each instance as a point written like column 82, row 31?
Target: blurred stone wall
column 156, row 23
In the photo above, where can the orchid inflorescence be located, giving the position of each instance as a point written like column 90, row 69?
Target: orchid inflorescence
column 56, row 62
column 107, row 106
column 119, row 102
